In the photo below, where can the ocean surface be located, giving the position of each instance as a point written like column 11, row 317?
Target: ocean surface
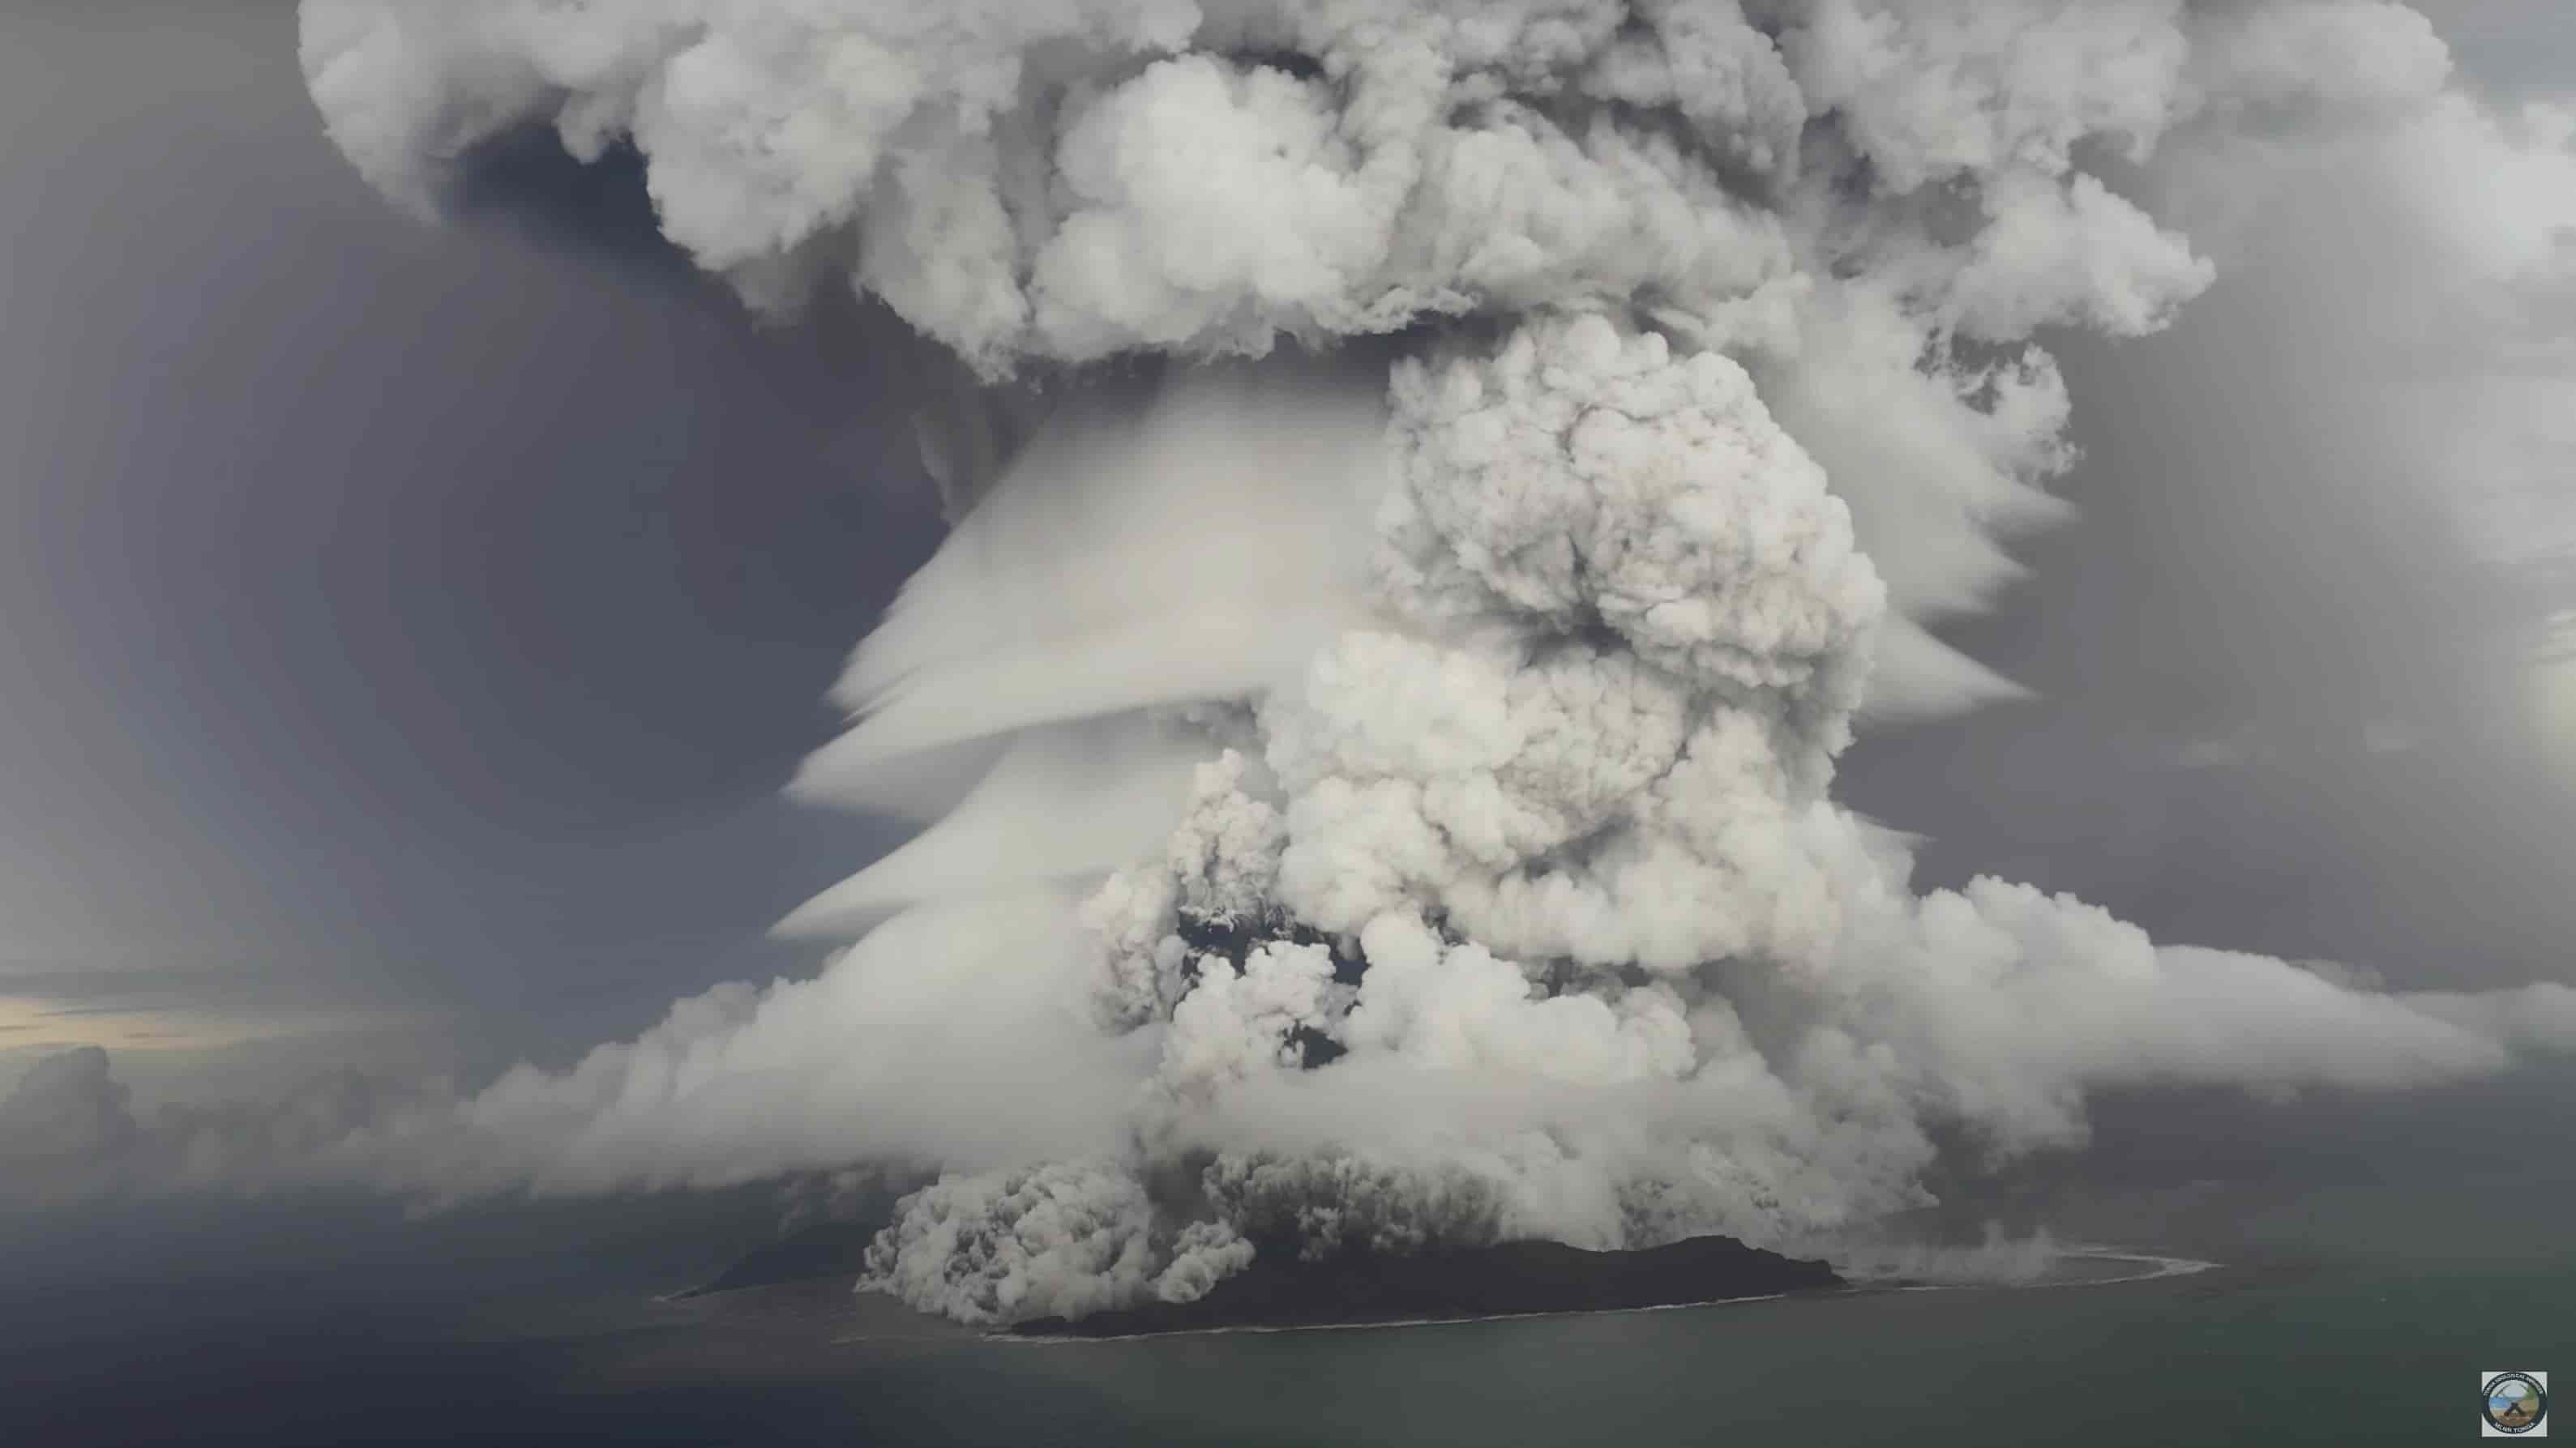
column 2370, row 1267
column 2336, row 1322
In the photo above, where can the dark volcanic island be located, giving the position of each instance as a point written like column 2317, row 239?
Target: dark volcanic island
column 1356, row 1289
column 1506, row 1280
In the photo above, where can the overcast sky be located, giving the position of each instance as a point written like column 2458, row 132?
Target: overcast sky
column 415, row 626
column 397, row 621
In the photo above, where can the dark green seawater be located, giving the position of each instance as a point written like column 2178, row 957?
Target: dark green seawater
column 2360, row 1295
column 2290, row 1347
column 2309, row 1355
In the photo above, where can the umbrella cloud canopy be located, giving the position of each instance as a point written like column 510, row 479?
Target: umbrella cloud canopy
column 1378, row 733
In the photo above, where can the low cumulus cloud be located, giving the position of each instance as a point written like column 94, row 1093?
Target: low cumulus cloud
column 69, row 1132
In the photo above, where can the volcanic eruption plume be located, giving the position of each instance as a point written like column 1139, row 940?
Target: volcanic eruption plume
column 1375, row 739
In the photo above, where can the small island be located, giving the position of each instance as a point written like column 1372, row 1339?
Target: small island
column 1506, row 1280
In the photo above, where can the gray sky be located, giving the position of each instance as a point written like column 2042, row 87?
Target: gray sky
column 2515, row 47
column 397, row 621
column 419, row 624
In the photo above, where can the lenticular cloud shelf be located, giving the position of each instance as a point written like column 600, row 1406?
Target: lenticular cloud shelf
column 1378, row 735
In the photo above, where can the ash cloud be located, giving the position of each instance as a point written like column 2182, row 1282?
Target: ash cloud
column 1379, row 730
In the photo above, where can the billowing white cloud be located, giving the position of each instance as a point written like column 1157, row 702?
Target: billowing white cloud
column 1405, row 809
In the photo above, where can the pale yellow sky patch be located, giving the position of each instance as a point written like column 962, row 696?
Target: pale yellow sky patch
column 34, row 1023
column 2551, row 681
column 164, row 1046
